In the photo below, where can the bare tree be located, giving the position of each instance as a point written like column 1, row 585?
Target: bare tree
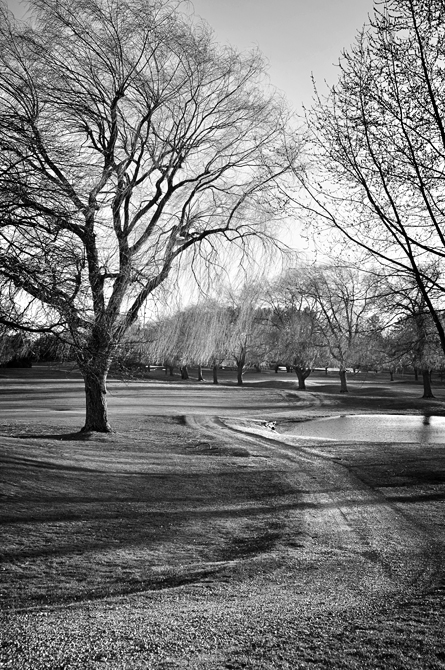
column 378, row 144
column 128, row 140
column 344, row 301
column 412, row 337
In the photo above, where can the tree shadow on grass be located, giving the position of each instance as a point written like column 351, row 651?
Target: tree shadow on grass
column 52, row 465
column 78, row 436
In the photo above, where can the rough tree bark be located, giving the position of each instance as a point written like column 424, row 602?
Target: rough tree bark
column 215, row 374
column 96, row 411
column 343, row 382
column 427, row 390
column 302, row 374
column 240, row 371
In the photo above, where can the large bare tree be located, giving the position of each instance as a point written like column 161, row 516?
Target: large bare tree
column 378, row 145
column 128, row 140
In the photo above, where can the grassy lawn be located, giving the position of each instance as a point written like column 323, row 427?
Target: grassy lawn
column 182, row 541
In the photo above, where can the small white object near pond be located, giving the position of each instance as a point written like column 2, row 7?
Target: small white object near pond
column 425, row 429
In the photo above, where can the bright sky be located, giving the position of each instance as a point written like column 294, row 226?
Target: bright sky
column 297, row 37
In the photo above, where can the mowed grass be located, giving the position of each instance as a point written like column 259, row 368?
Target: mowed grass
column 158, row 506
column 150, row 507
column 163, row 546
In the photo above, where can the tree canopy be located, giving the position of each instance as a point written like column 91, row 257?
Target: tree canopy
column 128, row 140
column 378, row 145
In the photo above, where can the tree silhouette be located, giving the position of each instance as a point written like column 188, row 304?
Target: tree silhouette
column 128, row 140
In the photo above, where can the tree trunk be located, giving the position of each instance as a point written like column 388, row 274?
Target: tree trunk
column 391, row 375
column 302, row 374
column 96, row 418
column 215, row 374
column 343, row 382
column 200, row 377
column 240, row 370
column 427, row 391
column 184, row 372
column 416, row 375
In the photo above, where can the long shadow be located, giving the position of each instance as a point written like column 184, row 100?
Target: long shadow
column 119, row 512
column 64, row 437
column 49, row 465
column 148, row 536
column 184, row 514
column 417, row 498
column 292, row 384
column 156, row 583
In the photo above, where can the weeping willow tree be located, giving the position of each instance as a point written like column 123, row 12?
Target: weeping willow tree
column 196, row 335
column 129, row 140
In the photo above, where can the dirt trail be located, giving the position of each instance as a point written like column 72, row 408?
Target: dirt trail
column 368, row 547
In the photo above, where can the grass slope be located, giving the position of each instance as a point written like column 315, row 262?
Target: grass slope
column 177, row 544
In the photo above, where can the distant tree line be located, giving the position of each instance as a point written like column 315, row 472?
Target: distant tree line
column 310, row 317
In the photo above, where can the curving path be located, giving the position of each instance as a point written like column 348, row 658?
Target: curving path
column 336, row 564
column 368, row 545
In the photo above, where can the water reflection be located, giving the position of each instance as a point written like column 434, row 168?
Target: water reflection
column 426, row 429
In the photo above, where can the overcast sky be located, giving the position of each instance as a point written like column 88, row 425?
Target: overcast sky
column 297, row 37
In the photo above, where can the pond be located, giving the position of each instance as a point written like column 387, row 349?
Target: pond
column 375, row 428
